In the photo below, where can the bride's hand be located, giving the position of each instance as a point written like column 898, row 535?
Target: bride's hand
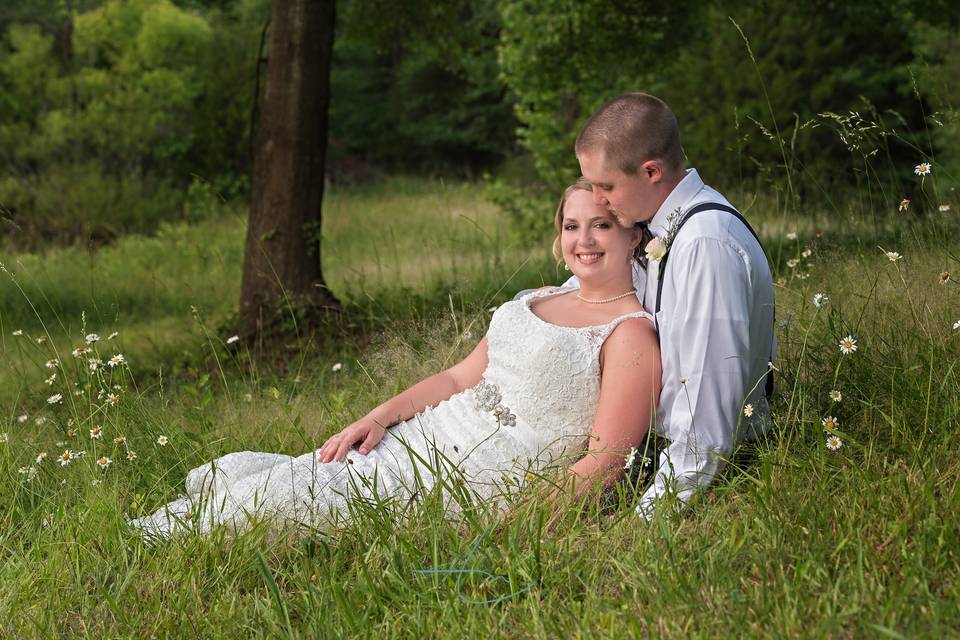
column 365, row 432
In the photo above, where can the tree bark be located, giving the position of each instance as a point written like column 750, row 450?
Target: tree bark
column 282, row 255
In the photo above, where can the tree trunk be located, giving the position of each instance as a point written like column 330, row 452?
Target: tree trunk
column 282, row 256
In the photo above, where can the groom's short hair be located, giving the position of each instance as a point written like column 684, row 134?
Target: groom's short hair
column 631, row 129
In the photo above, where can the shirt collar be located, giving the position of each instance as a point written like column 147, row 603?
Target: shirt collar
column 686, row 189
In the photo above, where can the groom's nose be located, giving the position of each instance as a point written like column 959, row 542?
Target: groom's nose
column 599, row 198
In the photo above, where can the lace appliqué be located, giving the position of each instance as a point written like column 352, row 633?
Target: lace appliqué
column 486, row 397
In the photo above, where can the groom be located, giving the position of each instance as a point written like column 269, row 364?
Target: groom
column 713, row 302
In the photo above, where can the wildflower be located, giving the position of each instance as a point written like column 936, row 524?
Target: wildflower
column 56, row 398
column 18, row 332
column 116, row 360
column 49, row 381
column 4, row 437
column 52, row 363
column 22, row 418
column 248, row 397
column 162, row 440
column 468, row 335
column 904, row 204
column 131, row 456
column 104, row 462
column 944, row 277
column 781, row 281
column 820, row 299
column 336, row 367
column 65, row 457
column 893, row 256
column 71, row 433
column 30, row 472
column 95, row 482
column 793, row 262
column 94, row 363
column 834, row 443
column 944, row 208
column 119, row 440
column 956, row 325
column 78, row 392
column 830, row 423
column 79, row 352
column 233, row 339
column 69, row 422
column 806, row 253
column 113, row 399
column 491, row 309
column 39, row 420
column 91, row 338
column 655, row 249
column 113, row 335
column 96, row 433
column 40, row 457
column 41, row 339
column 628, row 461
column 803, row 276
column 792, row 235
column 848, row 345
column 835, row 395
column 748, row 410
column 923, row 169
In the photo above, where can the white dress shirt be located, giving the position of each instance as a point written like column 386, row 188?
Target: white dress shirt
column 716, row 340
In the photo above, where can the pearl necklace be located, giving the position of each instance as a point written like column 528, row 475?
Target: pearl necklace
column 606, row 300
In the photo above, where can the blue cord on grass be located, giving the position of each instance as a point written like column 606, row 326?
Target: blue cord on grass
column 464, row 571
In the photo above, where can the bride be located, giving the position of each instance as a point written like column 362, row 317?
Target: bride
column 564, row 376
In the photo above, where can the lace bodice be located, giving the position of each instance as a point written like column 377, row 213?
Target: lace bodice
column 548, row 375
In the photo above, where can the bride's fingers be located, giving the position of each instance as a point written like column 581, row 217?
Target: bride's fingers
column 344, row 446
column 373, row 437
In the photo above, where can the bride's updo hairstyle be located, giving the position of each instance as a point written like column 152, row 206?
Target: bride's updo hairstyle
column 580, row 185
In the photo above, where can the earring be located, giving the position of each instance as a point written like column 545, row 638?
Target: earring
column 566, row 267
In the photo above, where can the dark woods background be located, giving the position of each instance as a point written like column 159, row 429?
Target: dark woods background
column 116, row 116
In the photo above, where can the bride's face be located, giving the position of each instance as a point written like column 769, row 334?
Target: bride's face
column 593, row 244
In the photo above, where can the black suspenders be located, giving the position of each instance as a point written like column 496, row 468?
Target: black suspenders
column 707, row 206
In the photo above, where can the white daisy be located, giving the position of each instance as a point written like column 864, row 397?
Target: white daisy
column 893, row 256
column 336, row 367
column 119, row 440
column 116, row 360
column 79, row 352
column 30, row 472
column 830, row 423
column 49, row 381
column 91, row 338
column 95, row 482
column 41, row 339
column 113, row 399
column 923, row 169
column 104, row 462
column 96, row 433
column 4, row 437
column 848, row 345
column 56, row 398
column 834, row 443
column 22, row 418
column 40, row 457
column 162, row 440
column 131, row 455
column 944, row 208
column 956, row 325
column 820, row 299
column 792, row 235
column 628, row 461
column 904, row 204
column 233, row 339
column 806, row 253
column 836, row 396
column 52, row 363
column 793, row 262
column 94, row 363
column 113, row 335
column 748, row 410
column 18, row 332
column 65, row 457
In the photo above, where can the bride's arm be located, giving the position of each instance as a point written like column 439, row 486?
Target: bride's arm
column 428, row 392
column 629, row 389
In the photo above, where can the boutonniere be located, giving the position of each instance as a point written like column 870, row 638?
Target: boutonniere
column 658, row 246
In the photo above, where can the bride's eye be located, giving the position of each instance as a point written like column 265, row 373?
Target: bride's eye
column 569, row 227
column 603, row 225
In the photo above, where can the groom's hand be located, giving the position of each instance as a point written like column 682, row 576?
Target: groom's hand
column 364, row 432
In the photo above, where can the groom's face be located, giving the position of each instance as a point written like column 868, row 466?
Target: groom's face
column 631, row 198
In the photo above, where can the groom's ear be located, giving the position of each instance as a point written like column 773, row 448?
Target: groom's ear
column 652, row 170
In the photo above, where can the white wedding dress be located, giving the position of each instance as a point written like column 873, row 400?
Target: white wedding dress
column 533, row 408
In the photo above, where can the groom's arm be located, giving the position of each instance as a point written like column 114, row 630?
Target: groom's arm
column 706, row 363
